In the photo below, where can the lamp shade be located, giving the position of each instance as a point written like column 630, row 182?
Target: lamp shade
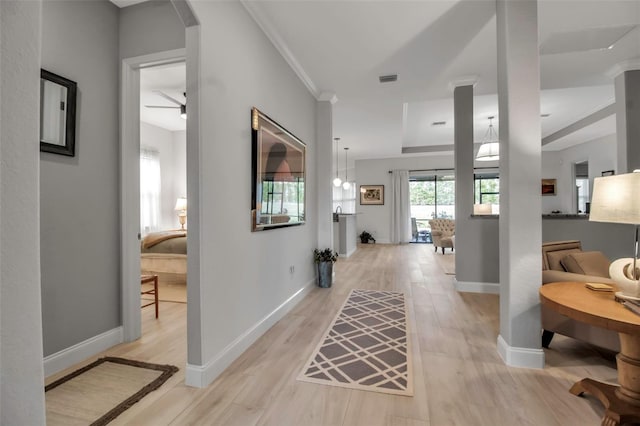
column 489, row 151
column 482, row 209
column 181, row 204
column 615, row 199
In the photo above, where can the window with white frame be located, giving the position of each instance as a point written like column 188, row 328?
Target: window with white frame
column 149, row 190
column 345, row 198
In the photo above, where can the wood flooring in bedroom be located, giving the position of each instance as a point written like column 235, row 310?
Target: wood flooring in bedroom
column 459, row 377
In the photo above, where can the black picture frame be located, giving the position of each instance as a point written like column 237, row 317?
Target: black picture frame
column 608, row 172
column 278, row 175
column 57, row 130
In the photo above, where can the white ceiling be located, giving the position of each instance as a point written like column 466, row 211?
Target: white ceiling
column 170, row 80
column 342, row 47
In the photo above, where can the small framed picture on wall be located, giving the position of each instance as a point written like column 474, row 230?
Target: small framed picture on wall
column 372, row 195
column 549, row 186
column 608, row 173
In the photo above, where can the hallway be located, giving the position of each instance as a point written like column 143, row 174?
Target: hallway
column 459, row 377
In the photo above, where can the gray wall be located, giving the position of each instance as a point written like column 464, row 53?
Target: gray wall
column 244, row 276
column 614, row 240
column 150, row 27
column 21, row 369
column 79, row 195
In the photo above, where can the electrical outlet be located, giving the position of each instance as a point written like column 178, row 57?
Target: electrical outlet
column 292, row 269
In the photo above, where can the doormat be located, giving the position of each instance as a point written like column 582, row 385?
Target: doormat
column 366, row 346
column 101, row 391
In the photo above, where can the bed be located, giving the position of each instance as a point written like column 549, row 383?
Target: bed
column 164, row 252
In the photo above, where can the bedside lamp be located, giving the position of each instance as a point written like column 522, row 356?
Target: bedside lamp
column 181, row 208
column 615, row 200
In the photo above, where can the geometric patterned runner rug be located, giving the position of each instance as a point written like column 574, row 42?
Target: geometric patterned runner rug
column 366, row 346
column 97, row 393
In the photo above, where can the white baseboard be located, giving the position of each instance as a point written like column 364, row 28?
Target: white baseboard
column 201, row 376
column 520, row 357
column 476, row 287
column 81, row 351
column 350, row 252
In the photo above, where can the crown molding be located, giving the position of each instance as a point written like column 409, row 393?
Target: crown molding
column 253, row 8
column 328, row 97
column 628, row 65
column 468, row 80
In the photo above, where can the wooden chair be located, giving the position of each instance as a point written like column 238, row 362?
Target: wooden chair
column 150, row 279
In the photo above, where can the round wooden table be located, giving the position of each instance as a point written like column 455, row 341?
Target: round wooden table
column 600, row 309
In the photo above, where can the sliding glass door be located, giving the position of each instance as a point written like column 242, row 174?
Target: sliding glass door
column 432, row 196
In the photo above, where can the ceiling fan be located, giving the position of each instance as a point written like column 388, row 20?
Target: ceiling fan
column 181, row 106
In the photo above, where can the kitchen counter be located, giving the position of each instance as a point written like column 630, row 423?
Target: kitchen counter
column 344, row 234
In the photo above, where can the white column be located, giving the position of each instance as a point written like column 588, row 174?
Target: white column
column 21, row 363
column 324, row 150
column 627, row 85
column 520, row 199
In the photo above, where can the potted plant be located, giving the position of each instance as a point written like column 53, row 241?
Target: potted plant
column 324, row 265
column 365, row 237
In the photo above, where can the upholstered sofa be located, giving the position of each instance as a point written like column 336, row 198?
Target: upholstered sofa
column 565, row 261
column 442, row 233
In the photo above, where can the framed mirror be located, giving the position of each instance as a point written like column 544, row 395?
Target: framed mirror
column 278, row 175
column 57, row 114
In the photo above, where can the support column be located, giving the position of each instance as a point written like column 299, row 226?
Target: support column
column 21, row 384
column 520, row 200
column 463, row 163
column 627, row 85
column 324, row 168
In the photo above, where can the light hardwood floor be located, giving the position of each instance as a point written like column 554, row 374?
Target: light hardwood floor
column 459, row 377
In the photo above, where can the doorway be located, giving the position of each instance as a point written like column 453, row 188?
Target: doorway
column 131, row 233
column 163, row 184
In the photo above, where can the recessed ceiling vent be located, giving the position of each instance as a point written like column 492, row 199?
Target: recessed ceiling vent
column 388, row 78
column 438, row 123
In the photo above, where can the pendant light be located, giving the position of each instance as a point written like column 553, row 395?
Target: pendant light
column 490, row 148
column 346, row 184
column 337, row 181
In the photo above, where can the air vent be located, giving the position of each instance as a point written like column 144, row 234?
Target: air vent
column 388, row 78
column 544, row 115
column 438, row 123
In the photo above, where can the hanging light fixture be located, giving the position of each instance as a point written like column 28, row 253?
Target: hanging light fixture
column 490, row 148
column 346, row 184
column 337, row 181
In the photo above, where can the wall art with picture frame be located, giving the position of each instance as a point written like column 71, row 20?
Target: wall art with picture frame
column 549, row 186
column 371, row 195
column 278, row 175
column 608, row 172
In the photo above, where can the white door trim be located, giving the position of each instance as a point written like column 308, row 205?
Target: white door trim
column 130, row 184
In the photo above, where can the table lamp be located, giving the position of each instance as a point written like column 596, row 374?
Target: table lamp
column 615, row 200
column 181, row 208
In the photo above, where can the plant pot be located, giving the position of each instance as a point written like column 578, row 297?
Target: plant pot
column 364, row 240
column 325, row 272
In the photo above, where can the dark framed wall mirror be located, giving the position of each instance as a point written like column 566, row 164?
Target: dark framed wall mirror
column 57, row 114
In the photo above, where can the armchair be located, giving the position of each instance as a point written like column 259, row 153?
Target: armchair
column 442, row 233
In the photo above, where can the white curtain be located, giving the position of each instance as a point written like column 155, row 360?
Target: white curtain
column 400, row 207
column 149, row 190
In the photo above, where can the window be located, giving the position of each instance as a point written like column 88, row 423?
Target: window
column 432, row 197
column 487, row 190
column 345, row 198
column 149, row 190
